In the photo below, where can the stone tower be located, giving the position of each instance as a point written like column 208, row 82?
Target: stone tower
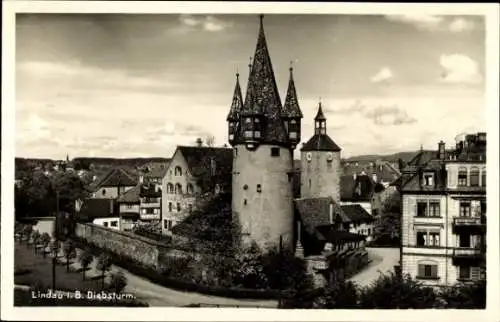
column 320, row 163
column 263, row 133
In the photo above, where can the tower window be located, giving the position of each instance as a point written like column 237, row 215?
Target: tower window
column 245, row 202
column 245, row 187
column 275, row 152
column 259, row 188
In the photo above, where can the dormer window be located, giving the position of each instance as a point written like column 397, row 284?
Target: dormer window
column 252, row 128
column 293, row 130
column 429, row 179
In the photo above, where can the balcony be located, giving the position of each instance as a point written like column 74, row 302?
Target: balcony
column 476, row 223
column 150, row 216
column 468, row 254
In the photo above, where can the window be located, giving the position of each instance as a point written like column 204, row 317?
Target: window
column 464, row 240
column 429, row 179
column 103, row 192
column 483, row 177
column 259, row 188
column 170, row 188
column 178, row 207
column 465, row 209
column 170, row 207
column 433, row 239
column 235, row 152
column 422, row 208
column 167, row 224
column 106, row 224
column 434, row 210
column 462, row 176
column 369, row 231
column 427, row 271
column 464, row 272
column 245, row 202
column 474, row 176
column 114, row 223
column 275, row 152
column 421, row 238
column 189, row 189
column 178, row 189
column 129, row 206
column 149, row 211
column 245, row 187
column 178, row 171
column 483, row 207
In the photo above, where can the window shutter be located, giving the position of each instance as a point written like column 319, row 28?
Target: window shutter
column 475, row 273
column 421, row 270
column 434, row 270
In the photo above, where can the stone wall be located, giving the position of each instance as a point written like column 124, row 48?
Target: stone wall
column 143, row 250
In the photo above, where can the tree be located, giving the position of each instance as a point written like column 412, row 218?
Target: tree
column 85, row 259
column 118, row 282
column 465, row 296
column 210, row 140
column 249, row 271
column 104, row 265
column 392, row 291
column 26, row 233
column 340, row 295
column 44, row 241
column 284, row 271
column 35, row 236
column 55, row 246
column 69, row 250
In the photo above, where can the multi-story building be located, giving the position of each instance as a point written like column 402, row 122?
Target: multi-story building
column 444, row 213
column 116, row 182
column 193, row 171
column 150, row 202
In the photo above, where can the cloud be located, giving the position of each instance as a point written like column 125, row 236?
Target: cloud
column 389, row 115
column 459, row 69
column 424, row 22
column 207, row 23
column 435, row 22
column 349, row 109
column 384, row 74
column 460, row 25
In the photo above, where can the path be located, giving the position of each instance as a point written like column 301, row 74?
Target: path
column 383, row 261
column 157, row 295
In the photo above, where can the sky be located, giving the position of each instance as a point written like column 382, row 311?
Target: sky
column 111, row 85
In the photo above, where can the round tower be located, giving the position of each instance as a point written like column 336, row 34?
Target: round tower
column 263, row 134
column 320, row 163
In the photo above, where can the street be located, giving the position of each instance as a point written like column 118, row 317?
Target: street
column 383, row 261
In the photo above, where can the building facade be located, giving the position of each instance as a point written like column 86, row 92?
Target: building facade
column 444, row 213
column 263, row 134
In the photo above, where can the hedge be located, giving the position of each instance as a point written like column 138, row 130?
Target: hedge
column 156, row 277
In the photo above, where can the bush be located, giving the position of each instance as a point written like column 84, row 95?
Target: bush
column 85, row 259
column 118, row 282
column 465, row 296
column 341, row 295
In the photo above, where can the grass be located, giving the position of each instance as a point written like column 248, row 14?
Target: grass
column 35, row 271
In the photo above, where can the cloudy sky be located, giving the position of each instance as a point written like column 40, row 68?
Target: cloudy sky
column 138, row 85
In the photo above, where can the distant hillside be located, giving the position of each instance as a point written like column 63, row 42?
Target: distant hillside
column 405, row 156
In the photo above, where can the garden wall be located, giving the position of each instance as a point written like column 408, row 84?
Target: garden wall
column 140, row 249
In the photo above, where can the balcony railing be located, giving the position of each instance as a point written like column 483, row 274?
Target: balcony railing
column 468, row 221
column 468, row 252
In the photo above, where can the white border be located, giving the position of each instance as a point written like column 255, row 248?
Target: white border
column 178, row 314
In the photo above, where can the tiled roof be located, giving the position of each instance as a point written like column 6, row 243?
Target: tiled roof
column 315, row 212
column 356, row 213
column 155, row 170
column 97, row 208
column 291, row 108
column 262, row 98
column 117, row 177
column 382, row 170
column 356, row 189
column 237, row 103
column 320, row 142
column 130, row 196
column 201, row 159
column 329, row 233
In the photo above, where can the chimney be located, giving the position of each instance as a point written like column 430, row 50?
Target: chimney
column 331, row 213
column 441, row 150
column 199, row 142
column 374, row 177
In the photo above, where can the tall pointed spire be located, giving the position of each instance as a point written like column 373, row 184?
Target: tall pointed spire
column 262, row 98
column 291, row 107
column 237, row 102
column 320, row 116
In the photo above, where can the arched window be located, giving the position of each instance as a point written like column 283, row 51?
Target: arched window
column 178, row 189
column 483, row 177
column 189, row 189
column 462, row 176
column 474, row 176
column 170, row 188
column 178, row 171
